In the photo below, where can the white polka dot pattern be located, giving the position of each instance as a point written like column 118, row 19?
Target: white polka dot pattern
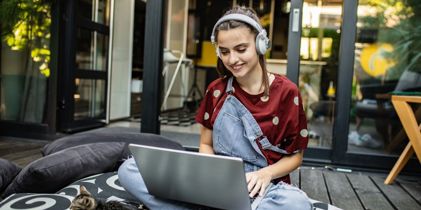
column 216, row 93
column 304, row 132
column 264, row 98
column 206, row 116
column 275, row 120
column 296, row 102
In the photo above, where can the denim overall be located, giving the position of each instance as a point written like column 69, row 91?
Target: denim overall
column 235, row 134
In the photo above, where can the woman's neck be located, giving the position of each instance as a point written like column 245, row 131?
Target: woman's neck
column 252, row 83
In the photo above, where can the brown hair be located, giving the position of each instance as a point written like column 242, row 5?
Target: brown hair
column 231, row 24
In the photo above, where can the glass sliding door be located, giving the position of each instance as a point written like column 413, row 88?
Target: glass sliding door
column 319, row 52
column 85, row 59
column 387, row 58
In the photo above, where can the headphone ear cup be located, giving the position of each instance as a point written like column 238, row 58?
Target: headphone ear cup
column 262, row 43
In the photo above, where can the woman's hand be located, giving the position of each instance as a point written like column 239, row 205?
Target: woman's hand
column 258, row 181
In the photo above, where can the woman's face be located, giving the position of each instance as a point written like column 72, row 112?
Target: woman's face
column 238, row 51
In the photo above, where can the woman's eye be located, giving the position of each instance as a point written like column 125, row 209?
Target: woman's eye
column 241, row 50
column 223, row 52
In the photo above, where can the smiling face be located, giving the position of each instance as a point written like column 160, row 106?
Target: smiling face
column 237, row 49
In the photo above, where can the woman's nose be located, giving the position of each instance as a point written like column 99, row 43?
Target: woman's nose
column 233, row 58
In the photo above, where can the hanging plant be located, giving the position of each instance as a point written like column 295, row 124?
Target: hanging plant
column 25, row 25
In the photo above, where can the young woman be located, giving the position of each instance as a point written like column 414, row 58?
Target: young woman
column 247, row 113
column 253, row 114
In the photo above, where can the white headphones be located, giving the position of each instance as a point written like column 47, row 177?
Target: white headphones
column 262, row 41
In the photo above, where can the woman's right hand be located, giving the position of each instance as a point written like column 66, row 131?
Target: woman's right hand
column 258, row 181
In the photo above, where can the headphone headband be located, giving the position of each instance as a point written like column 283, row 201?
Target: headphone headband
column 238, row 17
column 262, row 41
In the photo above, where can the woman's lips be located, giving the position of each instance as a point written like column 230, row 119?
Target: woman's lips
column 237, row 67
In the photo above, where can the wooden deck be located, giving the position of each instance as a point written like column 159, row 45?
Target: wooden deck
column 356, row 190
column 20, row 151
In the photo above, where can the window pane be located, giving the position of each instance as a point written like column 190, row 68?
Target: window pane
column 24, row 65
column 89, row 98
column 319, row 67
column 387, row 58
column 92, row 48
column 95, row 10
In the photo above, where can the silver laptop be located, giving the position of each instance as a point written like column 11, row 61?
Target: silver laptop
column 209, row 180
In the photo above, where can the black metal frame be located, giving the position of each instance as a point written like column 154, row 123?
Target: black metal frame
column 51, row 116
column 66, row 57
column 346, row 70
column 151, row 94
column 294, row 43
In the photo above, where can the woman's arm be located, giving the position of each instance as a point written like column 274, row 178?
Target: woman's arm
column 206, row 145
column 259, row 180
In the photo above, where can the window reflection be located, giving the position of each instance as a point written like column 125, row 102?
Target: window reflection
column 319, row 51
column 25, row 62
column 95, row 10
column 89, row 98
column 387, row 58
column 92, row 48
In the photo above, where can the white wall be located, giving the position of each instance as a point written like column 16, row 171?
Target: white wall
column 121, row 59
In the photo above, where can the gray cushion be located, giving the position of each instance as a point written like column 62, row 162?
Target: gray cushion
column 7, row 173
column 55, row 171
column 110, row 135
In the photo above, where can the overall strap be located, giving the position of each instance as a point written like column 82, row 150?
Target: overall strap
column 229, row 85
column 267, row 145
column 251, row 124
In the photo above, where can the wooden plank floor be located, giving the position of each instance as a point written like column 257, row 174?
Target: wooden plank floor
column 356, row 190
column 21, row 151
column 359, row 190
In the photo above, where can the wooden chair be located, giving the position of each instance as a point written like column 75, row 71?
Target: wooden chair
column 412, row 129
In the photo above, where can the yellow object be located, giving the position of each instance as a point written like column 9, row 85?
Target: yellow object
column 208, row 58
column 331, row 90
column 373, row 60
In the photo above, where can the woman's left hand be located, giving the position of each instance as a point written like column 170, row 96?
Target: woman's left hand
column 258, row 181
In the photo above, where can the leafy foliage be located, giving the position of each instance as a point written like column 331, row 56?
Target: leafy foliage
column 398, row 24
column 25, row 25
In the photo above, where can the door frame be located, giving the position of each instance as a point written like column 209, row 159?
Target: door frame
column 70, row 22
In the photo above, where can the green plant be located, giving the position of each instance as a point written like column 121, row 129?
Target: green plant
column 25, row 25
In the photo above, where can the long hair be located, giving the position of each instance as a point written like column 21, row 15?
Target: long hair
column 231, row 24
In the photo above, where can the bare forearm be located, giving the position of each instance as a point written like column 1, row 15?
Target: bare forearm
column 206, row 145
column 205, row 148
column 284, row 166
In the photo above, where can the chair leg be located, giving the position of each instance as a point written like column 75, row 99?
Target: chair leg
column 403, row 159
